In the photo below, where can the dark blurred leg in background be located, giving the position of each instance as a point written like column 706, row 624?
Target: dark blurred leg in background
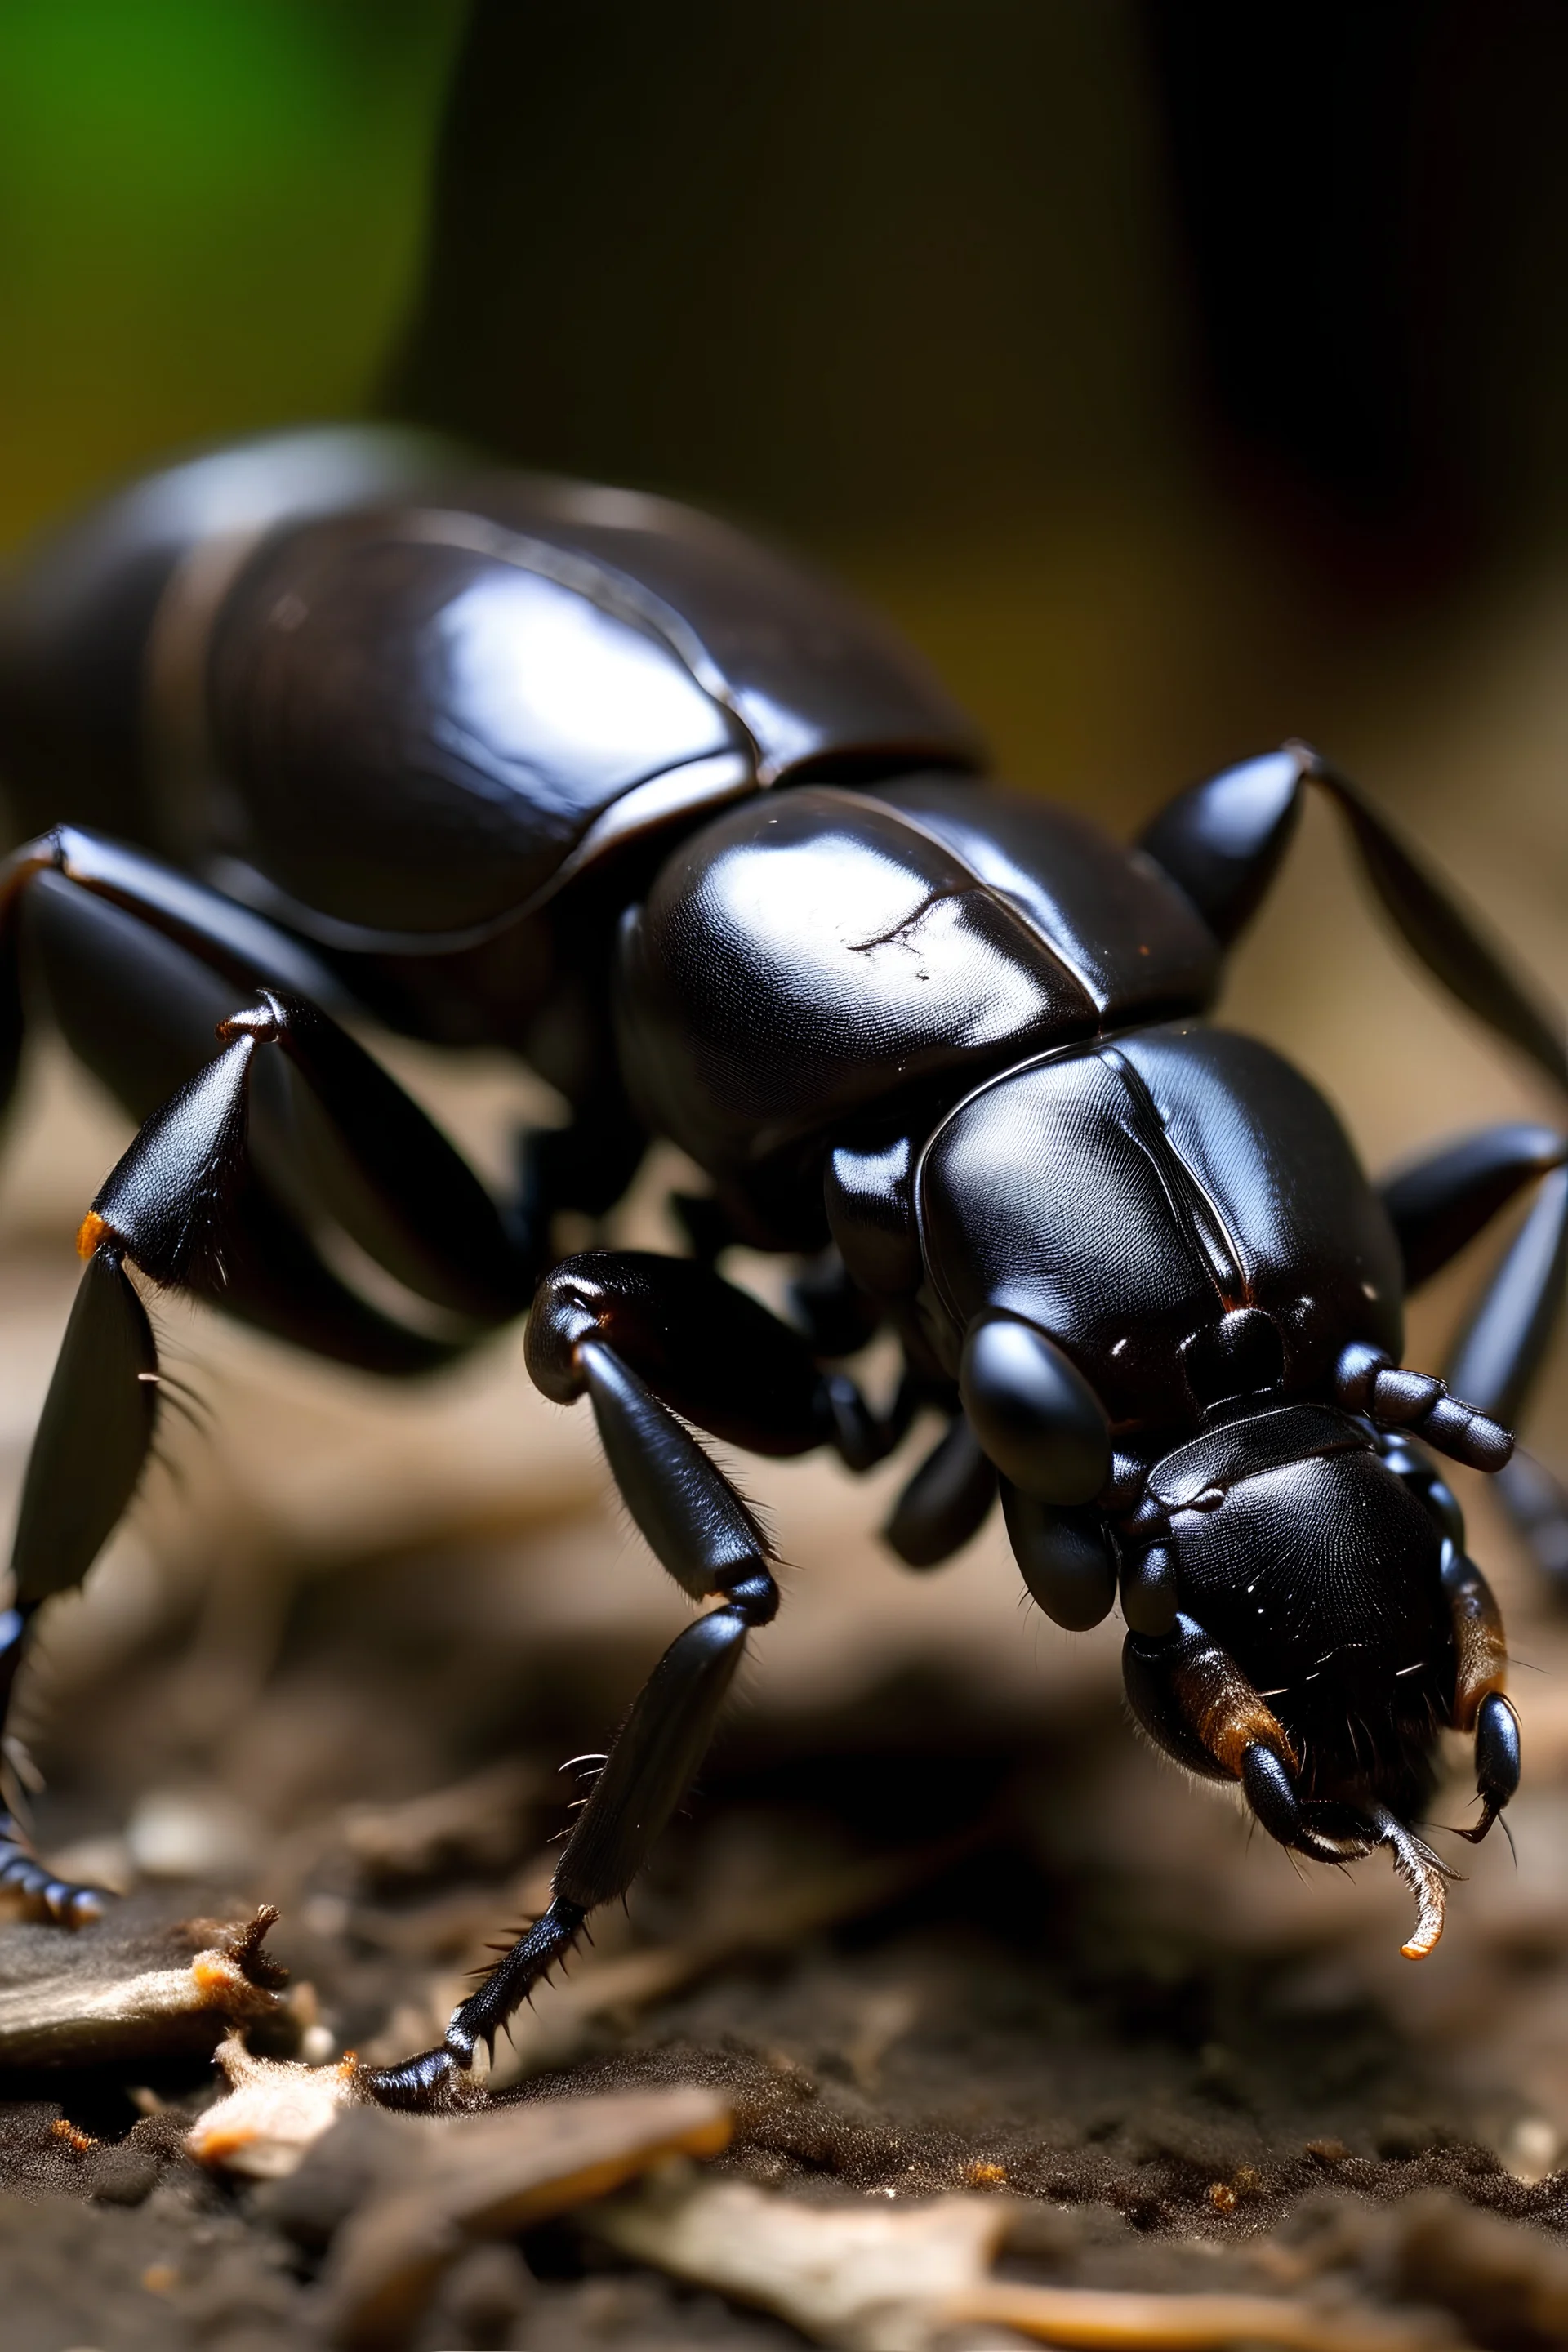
column 845, row 265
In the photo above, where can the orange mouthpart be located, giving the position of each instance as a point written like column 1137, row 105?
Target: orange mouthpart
column 90, row 1232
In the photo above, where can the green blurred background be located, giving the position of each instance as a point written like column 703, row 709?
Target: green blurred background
column 1168, row 371
column 210, row 219
column 1179, row 378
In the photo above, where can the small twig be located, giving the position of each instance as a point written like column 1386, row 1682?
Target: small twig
column 449, row 2183
column 1095, row 2319
column 110, row 1993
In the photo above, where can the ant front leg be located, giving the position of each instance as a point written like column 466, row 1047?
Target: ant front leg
column 1480, row 1706
column 1437, row 1205
column 1196, row 1705
column 637, row 1334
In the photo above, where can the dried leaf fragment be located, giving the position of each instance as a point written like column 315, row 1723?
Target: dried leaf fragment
column 449, row 2181
column 117, row 1990
column 874, row 2278
column 890, row 2278
column 274, row 2110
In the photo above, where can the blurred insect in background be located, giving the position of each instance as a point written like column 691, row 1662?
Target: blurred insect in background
column 337, row 723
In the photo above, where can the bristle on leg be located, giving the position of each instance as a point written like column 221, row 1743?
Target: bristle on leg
column 1424, row 1872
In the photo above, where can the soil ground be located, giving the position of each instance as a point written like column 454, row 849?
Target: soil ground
column 934, row 1921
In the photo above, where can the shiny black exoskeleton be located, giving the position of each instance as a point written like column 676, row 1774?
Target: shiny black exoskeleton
column 333, row 722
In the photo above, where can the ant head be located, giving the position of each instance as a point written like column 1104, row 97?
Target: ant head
column 1318, row 1571
column 1307, row 1648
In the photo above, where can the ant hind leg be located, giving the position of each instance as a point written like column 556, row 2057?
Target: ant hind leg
column 1438, row 1205
column 93, row 1440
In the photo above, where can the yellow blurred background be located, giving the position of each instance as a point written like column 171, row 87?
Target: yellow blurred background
column 210, row 218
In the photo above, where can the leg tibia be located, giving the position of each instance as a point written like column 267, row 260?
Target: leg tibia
column 94, row 1437
column 654, row 1760
column 647, row 1773
column 92, row 1443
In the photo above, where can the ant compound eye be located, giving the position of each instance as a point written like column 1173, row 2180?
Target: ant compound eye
column 1033, row 1412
